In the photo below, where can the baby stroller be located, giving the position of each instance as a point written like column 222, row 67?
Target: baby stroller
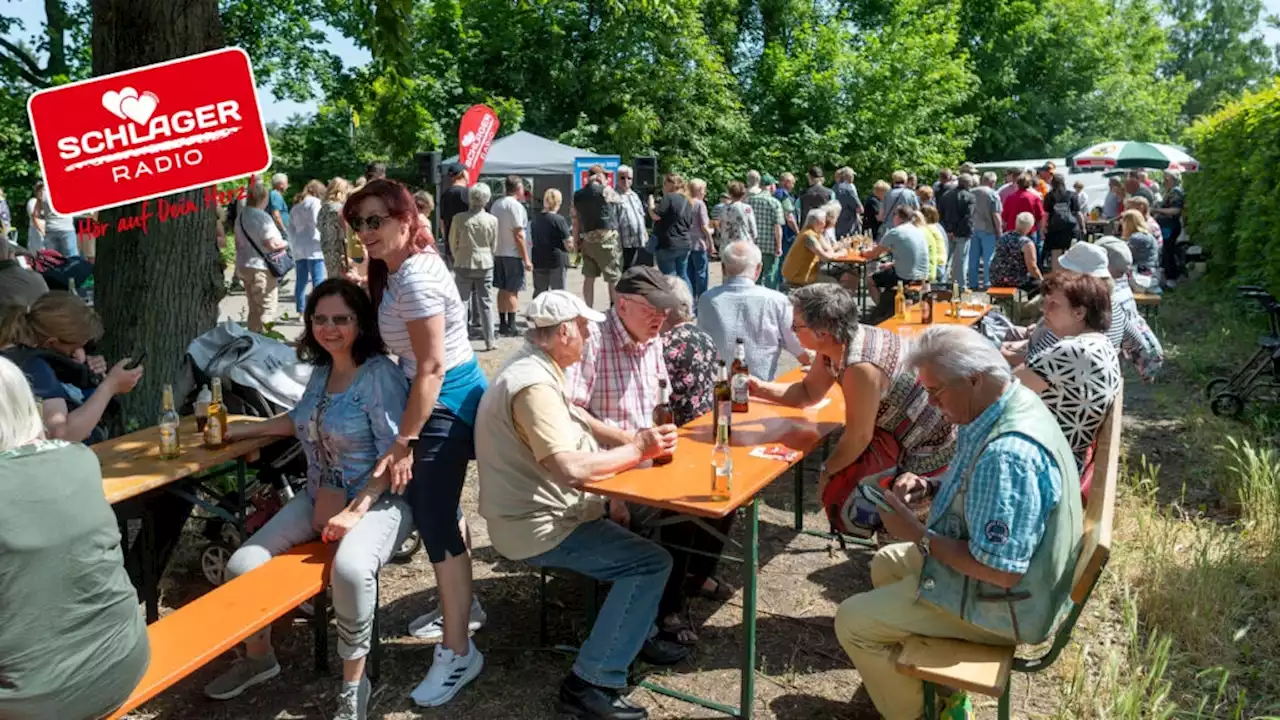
column 261, row 377
column 1228, row 396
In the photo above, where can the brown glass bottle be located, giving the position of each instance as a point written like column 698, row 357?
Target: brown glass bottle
column 722, row 397
column 663, row 415
column 926, row 305
column 739, row 379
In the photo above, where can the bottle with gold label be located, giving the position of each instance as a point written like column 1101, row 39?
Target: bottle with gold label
column 740, row 379
column 215, row 428
column 722, row 460
column 663, row 415
column 955, row 300
column 170, row 442
column 900, row 302
column 722, row 396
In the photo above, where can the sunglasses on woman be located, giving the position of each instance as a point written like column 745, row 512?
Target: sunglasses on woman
column 373, row 222
column 334, row 320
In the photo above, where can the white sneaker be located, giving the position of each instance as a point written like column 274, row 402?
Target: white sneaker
column 448, row 674
column 431, row 625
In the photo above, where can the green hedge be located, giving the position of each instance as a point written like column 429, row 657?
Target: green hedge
column 1233, row 203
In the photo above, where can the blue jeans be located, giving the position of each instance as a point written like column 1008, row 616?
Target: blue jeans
column 981, row 249
column 698, row 273
column 306, row 271
column 675, row 262
column 638, row 569
column 64, row 241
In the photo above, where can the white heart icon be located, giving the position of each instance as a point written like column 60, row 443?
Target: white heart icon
column 139, row 109
column 468, row 139
column 111, row 100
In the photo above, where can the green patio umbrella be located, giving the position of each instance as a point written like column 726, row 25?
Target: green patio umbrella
column 1130, row 154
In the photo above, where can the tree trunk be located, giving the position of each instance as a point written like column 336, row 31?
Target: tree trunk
column 157, row 289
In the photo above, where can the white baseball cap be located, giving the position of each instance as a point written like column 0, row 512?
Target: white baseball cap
column 1086, row 258
column 558, row 306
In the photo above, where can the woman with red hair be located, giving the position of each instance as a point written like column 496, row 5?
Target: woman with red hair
column 424, row 322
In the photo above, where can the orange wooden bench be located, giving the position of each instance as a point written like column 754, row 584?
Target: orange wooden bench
column 1148, row 303
column 190, row 637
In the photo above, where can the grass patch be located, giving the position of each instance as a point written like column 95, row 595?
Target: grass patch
column 1186, row 622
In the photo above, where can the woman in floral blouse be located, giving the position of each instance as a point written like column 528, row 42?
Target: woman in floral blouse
column 691, row 359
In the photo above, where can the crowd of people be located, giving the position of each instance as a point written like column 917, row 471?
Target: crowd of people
column 993, row 432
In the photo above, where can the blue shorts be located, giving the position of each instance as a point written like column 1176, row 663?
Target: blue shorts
column 445, row 446
column 508, row 274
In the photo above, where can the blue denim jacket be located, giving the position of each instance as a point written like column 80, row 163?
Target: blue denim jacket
column 344, row 439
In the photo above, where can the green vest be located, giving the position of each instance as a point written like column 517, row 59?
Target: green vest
column 1027, row 613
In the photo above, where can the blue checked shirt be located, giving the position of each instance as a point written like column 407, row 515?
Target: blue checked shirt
column 1013, row 488
column 768, row 212
column 631, row 231
column 761, row 317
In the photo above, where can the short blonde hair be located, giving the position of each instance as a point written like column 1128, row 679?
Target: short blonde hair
column 925, row 193
column 551, row 200
column 880, row 185
column 257, row 194
column 899, row 176
column 1139, row 203
column 832, row 209
column 337, row 190
column 20, row 421
column 1132, row 221
column 697, row 187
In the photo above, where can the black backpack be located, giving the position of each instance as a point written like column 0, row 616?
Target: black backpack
column 1063, row 218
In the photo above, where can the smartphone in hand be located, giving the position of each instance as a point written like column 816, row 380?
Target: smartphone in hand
column 136, row 357
column 874, row 495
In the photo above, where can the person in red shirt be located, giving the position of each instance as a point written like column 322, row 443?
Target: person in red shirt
column 1023, row 200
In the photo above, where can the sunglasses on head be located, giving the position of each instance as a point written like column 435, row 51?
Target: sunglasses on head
column 334, row 320
column 373, row 222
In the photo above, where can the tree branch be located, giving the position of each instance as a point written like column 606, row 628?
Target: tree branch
column 26, row 69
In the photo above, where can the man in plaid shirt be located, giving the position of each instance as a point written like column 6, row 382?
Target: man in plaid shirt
column 617, row 378
column 769, row 221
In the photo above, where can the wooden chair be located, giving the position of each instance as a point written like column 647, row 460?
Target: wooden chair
column 985, row 669
column 190, row 637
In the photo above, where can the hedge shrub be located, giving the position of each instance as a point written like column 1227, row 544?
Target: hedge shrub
column 1233, row 202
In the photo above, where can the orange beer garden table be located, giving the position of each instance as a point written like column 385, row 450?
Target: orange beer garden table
column 684, row 484
column 132, row 468
column 853, row 257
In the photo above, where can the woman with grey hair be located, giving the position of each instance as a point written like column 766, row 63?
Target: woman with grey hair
column 472, row 237
column 890, row 427
column 73, row 644
column 810, row 248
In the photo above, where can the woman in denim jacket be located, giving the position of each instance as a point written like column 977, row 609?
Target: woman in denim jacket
column 347, row 418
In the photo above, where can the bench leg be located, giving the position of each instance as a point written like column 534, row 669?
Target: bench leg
column 930, row 702
column 798, row 470
column 542, row 607
column 1004, row 700
column 150, row 573
column 320, row 629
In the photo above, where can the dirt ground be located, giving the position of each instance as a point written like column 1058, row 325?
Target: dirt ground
column 802, row 673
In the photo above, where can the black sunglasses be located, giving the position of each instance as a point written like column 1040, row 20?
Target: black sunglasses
column 373, row 222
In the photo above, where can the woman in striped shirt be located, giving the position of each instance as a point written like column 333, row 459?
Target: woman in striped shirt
column 424, row 323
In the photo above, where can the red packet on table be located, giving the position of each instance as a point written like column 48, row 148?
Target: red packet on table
column 774, row 451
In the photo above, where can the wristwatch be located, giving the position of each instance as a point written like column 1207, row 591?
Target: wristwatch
column 923, row 544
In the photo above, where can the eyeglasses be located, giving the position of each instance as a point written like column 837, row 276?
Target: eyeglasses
column 334, row 320
column 795, row 328
column 643, row 308
column 373, row 222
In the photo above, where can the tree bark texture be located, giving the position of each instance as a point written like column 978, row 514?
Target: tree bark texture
column 157, row 289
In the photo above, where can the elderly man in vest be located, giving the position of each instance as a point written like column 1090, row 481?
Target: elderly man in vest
column 536, row 451
column 994, row 563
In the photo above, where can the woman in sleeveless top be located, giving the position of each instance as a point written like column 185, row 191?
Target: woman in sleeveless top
column 890, row 427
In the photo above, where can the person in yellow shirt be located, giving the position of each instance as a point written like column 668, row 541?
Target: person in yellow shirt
column 928, row 221
column 809, row 249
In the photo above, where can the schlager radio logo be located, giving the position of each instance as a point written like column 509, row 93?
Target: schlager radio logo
column 149, row 132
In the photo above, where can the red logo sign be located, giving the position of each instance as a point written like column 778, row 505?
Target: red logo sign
column 475, row 134
column 149, row 131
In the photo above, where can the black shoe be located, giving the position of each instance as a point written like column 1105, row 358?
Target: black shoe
column 657, row 651
column 475, row 333
column 509, row 331
column 580, row 699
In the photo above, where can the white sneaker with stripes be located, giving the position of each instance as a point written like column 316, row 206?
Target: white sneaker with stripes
column 448, row 674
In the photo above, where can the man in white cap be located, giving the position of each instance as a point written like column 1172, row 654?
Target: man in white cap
column 536, row 450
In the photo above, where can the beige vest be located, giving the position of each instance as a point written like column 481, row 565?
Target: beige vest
column 527, row 511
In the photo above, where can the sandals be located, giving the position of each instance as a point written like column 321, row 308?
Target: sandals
column 678, row 629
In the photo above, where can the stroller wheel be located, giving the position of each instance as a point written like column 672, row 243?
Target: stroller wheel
column 1215, row 386
column 405, row 552
column 213, row 562
column 1227, row 404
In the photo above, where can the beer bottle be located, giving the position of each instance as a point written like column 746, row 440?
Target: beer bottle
column 663, row 415
column 170, row 444
column 926, row 305
column 955, row 300
column 721, row 461
column 202, row 408
column 215, row 429
column 900, row 303
column 739, row 379
column 722, row 397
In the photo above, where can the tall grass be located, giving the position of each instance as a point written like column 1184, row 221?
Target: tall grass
column 1198, row 603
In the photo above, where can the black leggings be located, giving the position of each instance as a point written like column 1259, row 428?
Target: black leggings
column 688, row 570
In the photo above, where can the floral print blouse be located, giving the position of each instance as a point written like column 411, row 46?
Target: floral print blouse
column 691, row 357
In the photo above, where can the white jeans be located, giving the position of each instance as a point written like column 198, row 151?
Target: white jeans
column 360, row 555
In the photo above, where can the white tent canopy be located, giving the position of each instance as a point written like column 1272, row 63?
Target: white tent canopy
column 1095, row 182
column 523, row 153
